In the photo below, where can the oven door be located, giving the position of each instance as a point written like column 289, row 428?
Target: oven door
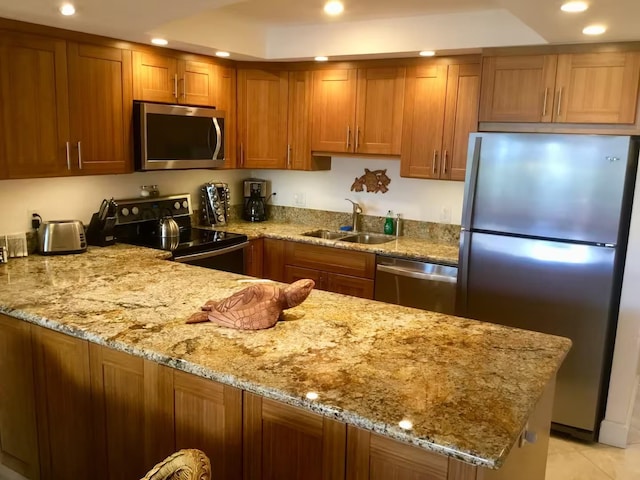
column 228, row 259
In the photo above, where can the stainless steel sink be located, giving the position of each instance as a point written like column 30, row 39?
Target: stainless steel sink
column 369, row 238
column 326, row 234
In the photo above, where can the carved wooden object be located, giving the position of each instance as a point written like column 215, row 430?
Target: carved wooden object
column 375, row 181
column 183, row 465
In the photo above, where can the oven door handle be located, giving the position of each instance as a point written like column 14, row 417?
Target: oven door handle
column 211, row 253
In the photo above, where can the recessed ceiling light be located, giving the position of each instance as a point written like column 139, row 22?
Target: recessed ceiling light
column 427, row 53
column 594, row 30
column 223, row 54
column 321, row 59
column 67, row 9
column 159, row 41
column 574, row 7
column 334, row 7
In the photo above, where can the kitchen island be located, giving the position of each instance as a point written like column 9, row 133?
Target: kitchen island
column 361, row 367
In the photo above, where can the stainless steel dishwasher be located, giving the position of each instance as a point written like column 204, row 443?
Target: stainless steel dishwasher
column 416, row 284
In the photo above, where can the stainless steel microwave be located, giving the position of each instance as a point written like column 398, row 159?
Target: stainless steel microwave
column 177, row 137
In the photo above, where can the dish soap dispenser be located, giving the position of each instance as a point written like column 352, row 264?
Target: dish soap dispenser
column 388, row 224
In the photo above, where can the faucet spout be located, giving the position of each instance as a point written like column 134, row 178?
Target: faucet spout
column 357, row 210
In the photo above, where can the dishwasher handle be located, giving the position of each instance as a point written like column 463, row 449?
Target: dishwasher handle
column 404, row 272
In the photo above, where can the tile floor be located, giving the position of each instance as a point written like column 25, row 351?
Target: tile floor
column 571, row 460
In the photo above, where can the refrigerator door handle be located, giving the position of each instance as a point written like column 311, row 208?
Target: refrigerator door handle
column 463, row 273
column 470, row 187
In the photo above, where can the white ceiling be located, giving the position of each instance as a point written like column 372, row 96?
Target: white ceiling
column 299, row 29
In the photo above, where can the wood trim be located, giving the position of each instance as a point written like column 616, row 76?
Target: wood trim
column 252, row 436
column 358, row 442
column 159, row 432
column 461, row 471
column 334, row 448
column 557, row 49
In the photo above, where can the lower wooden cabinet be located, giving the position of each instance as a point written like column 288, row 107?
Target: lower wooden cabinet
column 19, row 445
column 253, row 258
column 287, row 443
column 273, row 260
column 331, row 282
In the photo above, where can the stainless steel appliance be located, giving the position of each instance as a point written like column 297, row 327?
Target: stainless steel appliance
column 138, row 223
column 416, row 284
column 544, row 234
column 255, row 202
column 168, row 137
column 214, row 200
column 58, row 237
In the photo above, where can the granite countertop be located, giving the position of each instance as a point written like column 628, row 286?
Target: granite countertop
column 405, row 247
column 468, row 387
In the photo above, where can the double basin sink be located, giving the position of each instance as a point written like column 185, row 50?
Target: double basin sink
column 362, row 237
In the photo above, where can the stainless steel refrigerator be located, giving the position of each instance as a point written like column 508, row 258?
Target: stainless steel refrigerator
column 544, row 233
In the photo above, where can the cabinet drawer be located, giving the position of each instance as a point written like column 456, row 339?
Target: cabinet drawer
column 346, row 262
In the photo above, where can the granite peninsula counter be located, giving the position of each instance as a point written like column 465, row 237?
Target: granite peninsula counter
column 467, row 387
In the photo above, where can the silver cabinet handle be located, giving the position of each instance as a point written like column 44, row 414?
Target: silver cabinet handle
column 435, row 160
column 80, row 155
column 357, row 138
column 444, row 162
column 289, row 156
column 175, row 85
column 68, row 156
column 241, row 154
column 544, row 103
column 559, row 101
column 348, row 136
column 405, row 272
column 184, row 88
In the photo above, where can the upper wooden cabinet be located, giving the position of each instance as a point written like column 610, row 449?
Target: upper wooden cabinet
column 358, row 111
column 161, row 78
column 441, row 109
column 53, row 122
column 566, row 88
column 225, row 100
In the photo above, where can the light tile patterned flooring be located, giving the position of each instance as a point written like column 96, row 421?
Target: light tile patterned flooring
column 571, row 460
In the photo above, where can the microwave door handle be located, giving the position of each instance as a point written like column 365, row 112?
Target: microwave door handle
column 216, row 125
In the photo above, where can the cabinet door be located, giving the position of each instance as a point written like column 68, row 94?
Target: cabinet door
column 63, row 405
column 518, row 88
column 423, row 121
column 334, row 105
column 299, row 135
column 287, row 443
column 262, row 118
column 293, row 274
column 597, row 88
column 155, row 78
column 196, row 83
column 379, row 110
column 130, row 399
column 329, row 259
column 35, row 106
column 348, row 285
column 208, row 416
column 372, row 457
column 273, row 260
column 253, row 255
column 225, row 100
column 460, row 119
column 19, row 445
column 100, row 122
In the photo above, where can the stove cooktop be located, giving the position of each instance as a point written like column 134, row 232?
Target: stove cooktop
column 192, row 240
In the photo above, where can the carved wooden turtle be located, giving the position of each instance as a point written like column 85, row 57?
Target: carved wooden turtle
column 255, row 307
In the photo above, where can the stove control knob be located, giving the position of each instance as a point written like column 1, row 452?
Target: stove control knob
column 176, row 205
column 135, row 210
column 124, row 212
column 185, row 204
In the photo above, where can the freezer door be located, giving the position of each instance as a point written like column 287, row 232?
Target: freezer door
column 557, row 288
column 550, row 186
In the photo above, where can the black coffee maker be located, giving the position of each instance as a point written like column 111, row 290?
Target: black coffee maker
column 255, row 202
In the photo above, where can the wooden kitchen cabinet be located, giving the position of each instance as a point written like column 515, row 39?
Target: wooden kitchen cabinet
column 253, row 255
column 285, row 442
column 273, row 259
column 169, row 79
column 225, row 100
column 63, row 405
column 263, row 102
column 441, row 109
column 19, row 445
column 358, row 111
column 35, row 106
column 567, row 88
column 208, row 416
column 53, row 122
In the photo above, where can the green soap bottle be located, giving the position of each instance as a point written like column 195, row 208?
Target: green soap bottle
column 388, row 223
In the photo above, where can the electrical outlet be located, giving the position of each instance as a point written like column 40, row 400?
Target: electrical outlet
column 445, row 215
column 299, row 199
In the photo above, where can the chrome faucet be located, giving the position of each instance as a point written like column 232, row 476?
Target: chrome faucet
column 357, row 210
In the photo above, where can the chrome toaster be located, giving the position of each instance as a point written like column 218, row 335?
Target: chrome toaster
column 58, row 237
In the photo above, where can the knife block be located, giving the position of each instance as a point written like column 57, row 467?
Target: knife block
column 100, row 232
